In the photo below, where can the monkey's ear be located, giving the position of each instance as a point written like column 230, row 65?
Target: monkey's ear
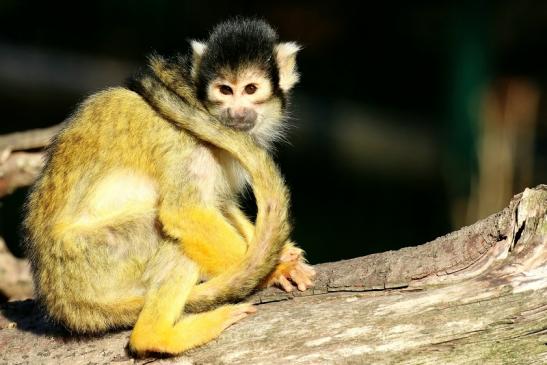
column 198, row 49
column 285, row 55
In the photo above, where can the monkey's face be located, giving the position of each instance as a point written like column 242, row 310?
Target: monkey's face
column 244, row 77
column 244, row 100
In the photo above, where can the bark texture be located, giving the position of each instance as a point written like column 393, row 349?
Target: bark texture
column 15, row 276
column 17, row 167
column 478, row 295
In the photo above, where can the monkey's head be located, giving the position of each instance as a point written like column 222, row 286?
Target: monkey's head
column 244, row 75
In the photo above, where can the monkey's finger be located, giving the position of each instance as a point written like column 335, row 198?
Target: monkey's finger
column 307, row 280
column 305, row 270
column 250, row 310
column 305, row 276
column 299, row 279
column 235, row 313
column 285, row 284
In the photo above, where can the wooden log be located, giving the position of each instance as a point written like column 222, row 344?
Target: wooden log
column 478, row 295
column 18, row 168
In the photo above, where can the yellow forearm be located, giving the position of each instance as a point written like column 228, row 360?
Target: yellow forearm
column 206, row 237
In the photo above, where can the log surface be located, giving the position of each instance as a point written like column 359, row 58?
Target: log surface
column 478, row 295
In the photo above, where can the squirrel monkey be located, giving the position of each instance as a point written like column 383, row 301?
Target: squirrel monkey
column 135, row 219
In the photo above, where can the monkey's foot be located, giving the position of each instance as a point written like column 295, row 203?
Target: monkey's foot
column 235, row 313
column 291, row 270
column 191, row 331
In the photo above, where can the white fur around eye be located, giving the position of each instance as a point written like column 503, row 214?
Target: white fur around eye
column 215, row 94
column 263, row 91
column 257, row 78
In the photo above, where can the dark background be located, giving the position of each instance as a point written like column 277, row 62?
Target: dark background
column 391, row 117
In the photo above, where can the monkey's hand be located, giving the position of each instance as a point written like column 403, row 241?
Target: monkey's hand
column 291, row 270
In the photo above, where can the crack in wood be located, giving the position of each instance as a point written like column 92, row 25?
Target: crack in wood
column 462, row 336
column 541, row 331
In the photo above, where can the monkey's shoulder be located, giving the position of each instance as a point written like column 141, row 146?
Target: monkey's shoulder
column 119, row 119
column 114, row 129
column 116, row 111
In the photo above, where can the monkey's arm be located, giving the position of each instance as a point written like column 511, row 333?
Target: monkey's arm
column 272, row 197
column 205, row 235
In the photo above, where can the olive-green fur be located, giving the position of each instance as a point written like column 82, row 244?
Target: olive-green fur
column 97, row 279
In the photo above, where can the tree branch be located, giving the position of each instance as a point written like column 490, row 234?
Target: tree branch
column 36, row 138
column 19, row 169
column 478, row 295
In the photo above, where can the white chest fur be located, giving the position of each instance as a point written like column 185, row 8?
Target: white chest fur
column 217, row 174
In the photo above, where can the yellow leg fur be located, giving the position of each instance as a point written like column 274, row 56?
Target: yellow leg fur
column 191, row 331
column 160, row 327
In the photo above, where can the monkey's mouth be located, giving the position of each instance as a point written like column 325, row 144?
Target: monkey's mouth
column 240, row 126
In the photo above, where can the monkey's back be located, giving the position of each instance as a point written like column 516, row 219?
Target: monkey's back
column 91, row 220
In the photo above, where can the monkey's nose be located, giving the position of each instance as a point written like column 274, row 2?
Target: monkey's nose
column 242, row 118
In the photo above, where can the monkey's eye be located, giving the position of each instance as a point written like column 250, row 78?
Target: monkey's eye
column 226, row 90
column 250, row 89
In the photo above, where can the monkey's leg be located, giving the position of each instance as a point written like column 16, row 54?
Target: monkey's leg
column 292, row 266
column 160, row 327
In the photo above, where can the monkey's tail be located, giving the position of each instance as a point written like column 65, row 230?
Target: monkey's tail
column 272, row 197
